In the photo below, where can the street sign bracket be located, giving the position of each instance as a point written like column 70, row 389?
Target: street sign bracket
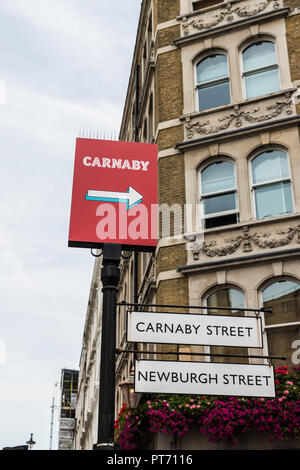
column 257, row 311
column 183, row 353
column 96, row 256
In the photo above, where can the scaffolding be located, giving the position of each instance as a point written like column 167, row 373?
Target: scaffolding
column 69, row 389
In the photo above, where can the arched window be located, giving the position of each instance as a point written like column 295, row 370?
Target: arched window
column 218, row 194
column 283, row 324
column 271, row 184
column 212, row 82
column 229, row 298
column 260, row 69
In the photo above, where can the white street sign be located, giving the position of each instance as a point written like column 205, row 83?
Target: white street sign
column 194, row 329
column 204, row 378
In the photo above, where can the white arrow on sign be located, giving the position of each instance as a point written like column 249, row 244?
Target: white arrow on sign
column 131, row 197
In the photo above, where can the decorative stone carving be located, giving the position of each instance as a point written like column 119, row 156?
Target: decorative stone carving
column 227, row 14
column 246, row 241
column 240, row 116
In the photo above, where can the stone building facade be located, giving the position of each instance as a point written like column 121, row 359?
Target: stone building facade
column 216, row 85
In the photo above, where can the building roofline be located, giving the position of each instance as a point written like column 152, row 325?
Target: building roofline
column 133, row 63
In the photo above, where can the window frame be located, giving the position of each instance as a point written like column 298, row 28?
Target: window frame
column 213, row 290
column 217, row 193
column 258, row 69
column 253, row 186
column 209, row 83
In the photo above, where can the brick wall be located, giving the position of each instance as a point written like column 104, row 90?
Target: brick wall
column 173, row 291
column 165, row 10
column 171, row 257
column 293, row 43
column 171, row 185
column 167, row 138
column 166, row 37
column 168, row 86
column 291, row 3
column 171, row 180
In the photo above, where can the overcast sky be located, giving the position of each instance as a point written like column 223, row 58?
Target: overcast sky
column 65, row 64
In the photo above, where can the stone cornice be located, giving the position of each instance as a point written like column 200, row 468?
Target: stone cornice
column 244, row 243
column 239, row 133
column 238, row 261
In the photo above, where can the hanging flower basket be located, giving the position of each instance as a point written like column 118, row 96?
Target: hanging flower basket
column 217, row 418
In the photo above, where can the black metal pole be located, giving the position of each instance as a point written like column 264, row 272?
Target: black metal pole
column 110, row 276
column 136, row 139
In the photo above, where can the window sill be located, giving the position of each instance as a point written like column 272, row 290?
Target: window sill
column 196, row 114
column 282, row 325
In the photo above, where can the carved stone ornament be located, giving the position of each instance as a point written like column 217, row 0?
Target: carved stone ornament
column 246, row 241
column 228, row 13
column 239, row 117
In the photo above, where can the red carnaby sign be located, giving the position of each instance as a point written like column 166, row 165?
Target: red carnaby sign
column 114, row 198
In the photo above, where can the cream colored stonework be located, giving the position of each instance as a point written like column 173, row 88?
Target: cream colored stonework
column 231, row 43
column 241, row 152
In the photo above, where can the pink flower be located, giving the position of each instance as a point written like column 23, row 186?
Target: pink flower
column 289, row 382
column 187, row 405
column 286, row 392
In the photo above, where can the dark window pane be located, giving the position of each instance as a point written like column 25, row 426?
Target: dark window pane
column 220, row 221
column 231, row 298
column 222, row 203
column 284, row 300
column 280, row 341
column 214, row 95
column 205, row 3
